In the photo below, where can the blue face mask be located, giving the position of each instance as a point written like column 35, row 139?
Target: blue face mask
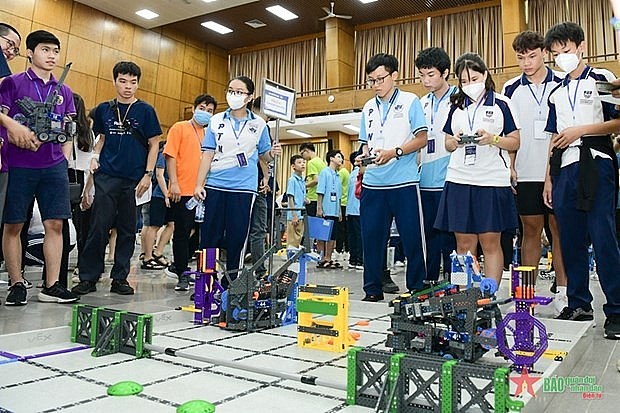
column 202, row 117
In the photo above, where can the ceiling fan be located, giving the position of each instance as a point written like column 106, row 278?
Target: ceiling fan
column 330, row 13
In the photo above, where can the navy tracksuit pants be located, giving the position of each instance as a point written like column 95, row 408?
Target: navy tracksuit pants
column 599, row 224
column 377, row 208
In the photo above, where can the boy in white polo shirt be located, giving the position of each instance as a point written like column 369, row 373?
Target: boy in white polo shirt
column 585, row 177
column 529, row 93
column 434, row 66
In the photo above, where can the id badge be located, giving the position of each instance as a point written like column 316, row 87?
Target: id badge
column 242, row 160
column 332, row 197
column 430, row 146
column 539, row 129
column 470, row 155
column 56, row 120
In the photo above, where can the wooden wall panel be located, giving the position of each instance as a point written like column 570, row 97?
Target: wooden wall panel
column 20, row 8
column 146, row 44
column 148, row 80
column 167, row 110
column 105, row 91
column 84, row 54
column 171, row 53
column 195, row 61
column 85, row 85
column 169, row 82
column 191, row 86
column 109, row 57
column 57, row 11
column 118, row 34
column 87, row 23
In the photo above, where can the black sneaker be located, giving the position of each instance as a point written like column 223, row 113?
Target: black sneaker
column 387, row 285
column 612, row 327
column 576, row 314
column 373, row 298
column 17, row 295
column 121, row 287
column 183, row 284
column 85, row 287
column 57, row 294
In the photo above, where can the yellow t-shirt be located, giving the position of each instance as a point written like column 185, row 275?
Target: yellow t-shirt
column 183, row 144
column 313, row 168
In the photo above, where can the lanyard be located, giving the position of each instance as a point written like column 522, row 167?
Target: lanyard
column 470, row 119
column 383, row 118
column 196, row 132
column 573, row 102
column 538, row 102
column 435, row 108
column 118, row 113
column 335, row 181
column 232, row 126
column 49, row 90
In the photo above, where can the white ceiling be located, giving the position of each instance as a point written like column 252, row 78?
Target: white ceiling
column 169, row 11
column 318, row 126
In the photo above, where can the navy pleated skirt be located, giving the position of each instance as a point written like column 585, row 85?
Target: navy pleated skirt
column 476, row 209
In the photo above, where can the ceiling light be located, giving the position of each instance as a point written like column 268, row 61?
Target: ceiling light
column 299, row 133
column 281, row 12
column 367, row 1
column 352, row 127
column 216, row 27
column 208, row 1
column 255, row 23
column 147, row 14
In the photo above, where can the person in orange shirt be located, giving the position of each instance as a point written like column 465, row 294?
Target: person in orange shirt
column 182, row 152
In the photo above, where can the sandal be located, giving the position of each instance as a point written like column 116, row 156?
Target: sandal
column 323, row 265
column 152, row 265
column 334, row 264
column 161, row 259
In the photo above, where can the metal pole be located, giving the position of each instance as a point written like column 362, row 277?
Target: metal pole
column 272, row 230
column 310, row 380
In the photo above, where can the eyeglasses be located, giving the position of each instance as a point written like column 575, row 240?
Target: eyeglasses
column 379, row 80
column 236, row 92
column 12, row 46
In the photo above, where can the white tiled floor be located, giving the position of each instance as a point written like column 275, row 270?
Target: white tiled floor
column 77, row 382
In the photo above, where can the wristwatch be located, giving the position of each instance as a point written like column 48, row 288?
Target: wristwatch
column 399, row 152
column 149, row 173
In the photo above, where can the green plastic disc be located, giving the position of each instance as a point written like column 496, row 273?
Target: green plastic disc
column 196, row 406
column 125, row 388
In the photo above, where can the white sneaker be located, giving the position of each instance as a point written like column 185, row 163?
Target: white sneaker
column 559, row 302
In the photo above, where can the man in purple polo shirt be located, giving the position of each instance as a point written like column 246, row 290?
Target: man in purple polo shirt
column 40, row 174
column 10, row 40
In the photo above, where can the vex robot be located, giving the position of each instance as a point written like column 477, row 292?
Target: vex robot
column 40, row 118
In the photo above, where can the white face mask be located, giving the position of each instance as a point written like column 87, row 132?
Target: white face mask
column 473, row 90
column 235, row 102
column 567, row 61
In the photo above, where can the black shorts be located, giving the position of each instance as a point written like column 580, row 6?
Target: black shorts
column 159, row 214
column 530, row 199
column 311, row 209
column 334, row 231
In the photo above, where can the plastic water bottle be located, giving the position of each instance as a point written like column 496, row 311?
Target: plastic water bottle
column 192, row 203
column 199, row 216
